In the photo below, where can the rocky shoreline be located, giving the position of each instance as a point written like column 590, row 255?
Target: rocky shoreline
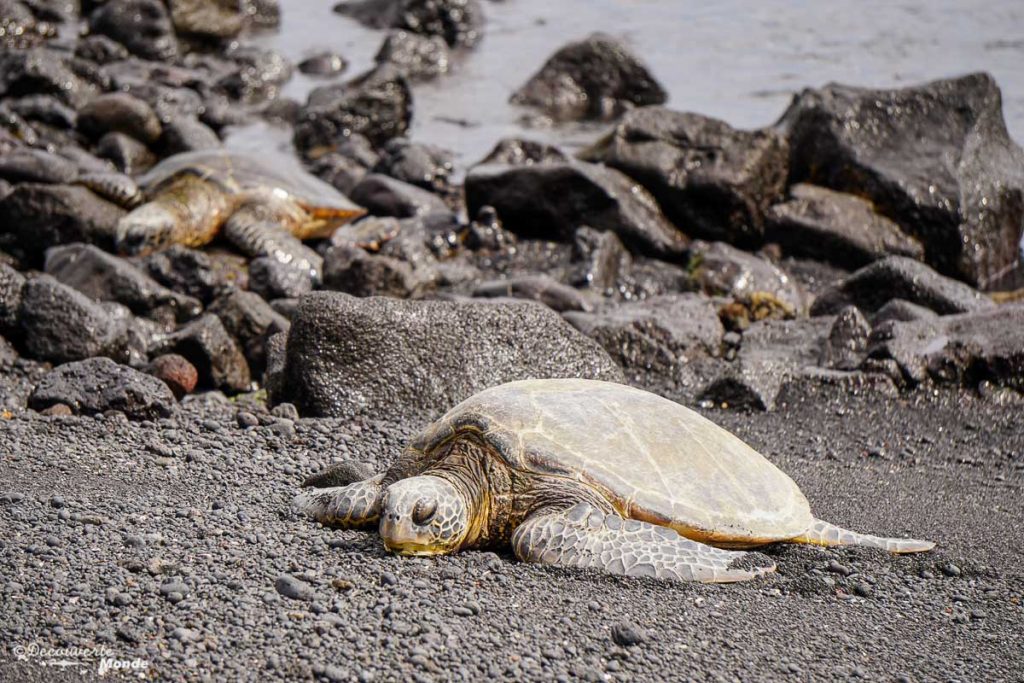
column 852, row 270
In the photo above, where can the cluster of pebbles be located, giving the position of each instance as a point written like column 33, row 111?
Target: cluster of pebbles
column 159, row 407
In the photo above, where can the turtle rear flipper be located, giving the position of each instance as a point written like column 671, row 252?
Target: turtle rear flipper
column 350, row 507
column 584, row 536
column 826, row 534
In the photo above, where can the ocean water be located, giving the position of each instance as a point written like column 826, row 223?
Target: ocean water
column 738, row 60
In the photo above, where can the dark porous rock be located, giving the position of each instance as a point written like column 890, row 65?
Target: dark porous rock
column 20, row 29
column 352, row 270
column 521, row 152
column 723, row 270
column 772, row 353
column 898, row 277
column 104, row 277
column 847, row 341
column 663, row 344
column 187, row 134
column 121, row 113
column 340, row 171
column 97, row 385
column 458, row 22
column 422, row 165
column 250, row 320
column 389, row 358
column 200, row 274
column 41, row 216
column 127, row 154
column 596, row 78
column 323, row 64
column 711, row 180
column 212, row 20
column 176, row 372
column 46, row 109
column 966, row 349
column 214, row 353
column 272, row 279
column 258, row 74
column 60, row 324
column 935, row 158
column 902, row 310
column 142, row 26
column 836, row 227
column 382, row 195
column 377, row 105
column 28, row 165
column 551, row 200
column 42, row 71
column 415, row 56
column 599, row 259
column 11, row 283
column 285, row 307
column 274, row 376
column 100, row 49
column 542, row 288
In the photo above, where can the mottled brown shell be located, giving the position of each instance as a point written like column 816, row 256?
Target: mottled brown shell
column 654, row 459
column 237, row 172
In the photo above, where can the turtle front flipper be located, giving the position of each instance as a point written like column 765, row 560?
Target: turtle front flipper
column 584, row 536
column 258, row 229
column 350, row 507
column 823, row 533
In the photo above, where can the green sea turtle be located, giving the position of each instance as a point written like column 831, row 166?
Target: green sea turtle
column 587, row 474
column 264, row 207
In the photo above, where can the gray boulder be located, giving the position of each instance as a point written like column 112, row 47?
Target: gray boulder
column 847, row 340
column 542, row 288
column 417, row 57
column 97, row 385
column 595, row 78
column 397, row 360
column 966, row 349
column 667, row 344
column 719, row 269
column 935, row 158
column 352, row 270
column 713, row 181
column 836, row 227
column 458, row 22
column 104, row 277
column 773, row 352
column 215, row 354
column 384, row 196
column 250, row 320
column 42, row 216
column 60, row 324
column 599, row 260
column 11, row 283
column 142, row 26
column 550, row 200
column 121, row 113
column 377, row 105
column 211, row 20
column 898, row 277
column 27, row 165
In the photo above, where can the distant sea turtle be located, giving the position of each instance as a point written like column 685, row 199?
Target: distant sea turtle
column 586, row 474
column 263, row 207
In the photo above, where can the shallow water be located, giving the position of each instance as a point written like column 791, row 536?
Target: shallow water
column 739, row 60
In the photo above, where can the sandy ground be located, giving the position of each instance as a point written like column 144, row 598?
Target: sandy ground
column 164, row 542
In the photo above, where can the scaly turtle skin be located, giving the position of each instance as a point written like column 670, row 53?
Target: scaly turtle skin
column 586, row 474
column 263, row 207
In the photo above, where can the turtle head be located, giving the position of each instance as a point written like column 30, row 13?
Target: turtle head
column 146, row 229
column 423, row 515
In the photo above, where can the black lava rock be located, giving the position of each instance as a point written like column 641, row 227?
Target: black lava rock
column 97, row 385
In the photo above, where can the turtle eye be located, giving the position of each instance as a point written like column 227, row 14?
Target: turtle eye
column 423, row 511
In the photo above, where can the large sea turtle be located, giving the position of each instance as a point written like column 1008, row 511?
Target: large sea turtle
column 263, row 206
column 587, row 474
